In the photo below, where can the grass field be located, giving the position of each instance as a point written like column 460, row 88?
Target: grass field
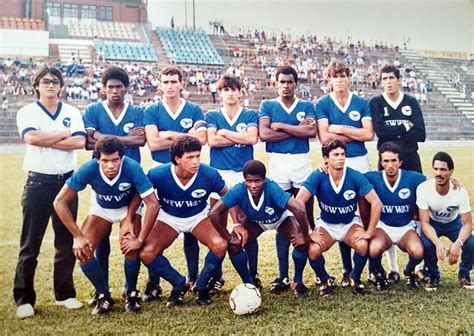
column 448, row 311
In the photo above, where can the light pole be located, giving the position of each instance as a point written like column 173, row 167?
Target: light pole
column 194, row 15
column 186, row 13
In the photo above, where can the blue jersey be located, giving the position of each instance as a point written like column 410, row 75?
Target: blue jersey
column 235, row 156
column 99, row 117
column 116, row 193
column 398, row 202
column 279, row 113
column 270, row 207
column 356, row 110
column 189, row 115
column 338, row 204
column 185, row 200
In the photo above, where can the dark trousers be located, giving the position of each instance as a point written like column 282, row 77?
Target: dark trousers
column 37, row 202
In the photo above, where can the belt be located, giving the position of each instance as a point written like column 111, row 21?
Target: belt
column 51, row 176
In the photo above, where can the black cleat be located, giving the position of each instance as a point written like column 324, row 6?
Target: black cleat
column 104, row 304
column 152, row 292
column 325, row 288
column 346, row 279
column 92, row 302
column 357, row 287
column 176, row 297
column 215, row 285
column 432, row 285
column 300, row 291
column 257, row 282
column 278, row 285
column 379, row 281
column 393, row 278
column 411, row 280
column 466, row 282
column 203, row 297
column 132, row 302
column 422, row 275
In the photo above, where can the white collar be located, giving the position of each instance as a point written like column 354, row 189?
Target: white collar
column 178, row 181
column 116, row 121
column 338, row 188
column 395, row 185
column 344, row 108
column 174, row 116
column 393, row 104
column 291, row 108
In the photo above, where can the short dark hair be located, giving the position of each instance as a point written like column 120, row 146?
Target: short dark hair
column 286, row 70
column 228, row 81
column 444, row 157
column 40, row 73
column 170, row 71
column 331, row 144
column 184, row 144
column 115, row 73
column 390, row 146
column 387, row 68
column 335, row 67
column 108, row 145
column 254, row 167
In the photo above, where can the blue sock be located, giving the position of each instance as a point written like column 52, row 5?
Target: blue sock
column 318, row 267
column 132, row 269
column 345, row 251
column 240, row 262
column 299, row 258
column 359, row 264
column 282, row 247
column 160, row 266
column 252, row 253
column 153, row 277
column 375, row 264
column 211, row 262
column 412, row 262
column 94, row 274
column 102, row 253
column 191, row 252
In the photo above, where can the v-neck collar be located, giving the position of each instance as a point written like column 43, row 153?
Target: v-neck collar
column 115, row 179
column 178, row 181
column 231, row 122
column 394, row 103
column 45, row 110
column 344, row 108
column 118, row 120
column 291, row 108
column 337, row 189
column 258, row 206
column 174, row 116
column 395, row 185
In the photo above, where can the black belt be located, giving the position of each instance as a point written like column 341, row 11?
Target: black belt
column 51, row 176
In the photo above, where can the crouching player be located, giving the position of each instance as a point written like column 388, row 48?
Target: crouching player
column 337, row 193
column 266, row 206
column 115, row 179
column 183, row 187
column 396, row 189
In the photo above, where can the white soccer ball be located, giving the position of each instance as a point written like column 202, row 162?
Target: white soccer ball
column 245, row 299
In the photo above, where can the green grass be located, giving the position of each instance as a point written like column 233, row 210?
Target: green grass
column 449, row 311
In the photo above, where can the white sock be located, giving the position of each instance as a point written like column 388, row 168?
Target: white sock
column 392, row 258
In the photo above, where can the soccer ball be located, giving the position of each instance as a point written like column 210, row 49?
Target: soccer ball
column 245, row 299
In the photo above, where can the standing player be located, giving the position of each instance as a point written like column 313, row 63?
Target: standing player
column 52, row 131
column 396, row 189
column 115, row 179
column 346, row 117
column 398, row 117
column 445, row 211
column 231, row 133
column 114, row 116
column 266, row 206
column 166, row 121
column 337, row 192
column 183, row 187
column 286, row 124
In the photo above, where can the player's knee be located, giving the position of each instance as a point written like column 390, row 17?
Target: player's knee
column 361, row 246
column 315, row 250
column 131, row 255
column 234, row 249
column 469, row 245
column 300, row 242
column 146, row 255
column 218, row 246
column 376, row 248
column 417, row 251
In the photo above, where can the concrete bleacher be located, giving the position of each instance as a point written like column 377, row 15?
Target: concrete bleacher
column 111, row 50
column 187, row 46
column 104, row 30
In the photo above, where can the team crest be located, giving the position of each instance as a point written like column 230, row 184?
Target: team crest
column 124, row 186
column 452, row 208
column 67, row 122
column 186, row 123
column 127, row 127
column 198, row 193
column 269, row 210
column 300, row 115
column 354, row 115
column 349, row 194
column 406, row 110
column 404, row 193
column 241, row 127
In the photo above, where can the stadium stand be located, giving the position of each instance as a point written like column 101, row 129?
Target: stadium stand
column 104, row 30
column 21, row 23
column 188, row 46
column 126, row 51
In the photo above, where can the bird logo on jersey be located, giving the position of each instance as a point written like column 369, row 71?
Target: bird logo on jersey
column 198, row 193
column 186, row 123
column 269, row 210
column 241, row 127
column 349, row 194
column 404, row 193
column 300, row 116
column 406, row 110
column 354, row 115
column 67, row 122
column 124, row 186
column 452, row 208
column 127, row 127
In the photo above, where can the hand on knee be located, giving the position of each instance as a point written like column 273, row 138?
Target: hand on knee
column 300, row 242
